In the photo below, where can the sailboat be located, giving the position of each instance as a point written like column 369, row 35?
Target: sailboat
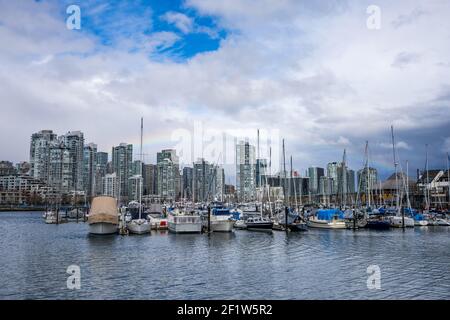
column 139, row 226
column 399, row 220
column 374, row 218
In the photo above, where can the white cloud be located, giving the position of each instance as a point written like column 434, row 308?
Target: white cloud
column 313, row 71
column 180, row 20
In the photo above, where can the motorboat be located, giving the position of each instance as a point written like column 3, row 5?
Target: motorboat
column 221, row 220
column 181, row 222
column 54, row 217
column 327, row 219
column 103, row 218
column 158, row 221
column 259, row 223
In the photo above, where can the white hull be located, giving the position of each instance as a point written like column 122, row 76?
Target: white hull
column 102, row 228
column 240, row 224
column 139, row 226
column 325, row 224
column 185, row 227
column 421, row 223
column 158, row 224
column 397, row 222
column 438, row 222
column 220, row 225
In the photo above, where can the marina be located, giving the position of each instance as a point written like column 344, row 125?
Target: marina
column 317, row 264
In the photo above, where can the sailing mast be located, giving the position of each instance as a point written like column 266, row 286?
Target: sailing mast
column 427, row 191
column 295, row 188
column 395, row 167
column 344, row 178
column 284, row 174
column 367, row 175
column 140, row 171
column 407, row 185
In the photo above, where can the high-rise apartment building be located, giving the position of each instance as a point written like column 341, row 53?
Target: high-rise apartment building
column 168, row 174
column 40, row 153
column 74, row 141
column 122, row 165
column 314, row 174
column 245, row 171
column 150, row 179
column 90, row 169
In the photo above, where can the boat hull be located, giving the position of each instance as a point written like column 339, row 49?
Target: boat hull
column 397, row 222
column 266, row 226
column 378, row 225
column 139, row 228
column 185, row 227
column 421, row 223
column 220, row 225
column 324, row 224
column 298, row 227
column 102, row 228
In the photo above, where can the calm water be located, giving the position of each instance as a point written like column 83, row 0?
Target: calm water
column 318, row 264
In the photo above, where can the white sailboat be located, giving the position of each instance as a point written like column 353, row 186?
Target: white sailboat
column 139, row 226
column 399, row 220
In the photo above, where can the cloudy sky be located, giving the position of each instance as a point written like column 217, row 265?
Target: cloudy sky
column 312, row 72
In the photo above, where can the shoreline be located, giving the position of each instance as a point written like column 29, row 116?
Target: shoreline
column 15, row 209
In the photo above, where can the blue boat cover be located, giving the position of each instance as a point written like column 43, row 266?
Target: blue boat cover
column 328, row 214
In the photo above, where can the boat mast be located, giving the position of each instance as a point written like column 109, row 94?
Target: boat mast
column 140, row 170
column 284, row 174
column 344, row 178
column 407, row 185
column 395, row 167
column 295, row 188
column 427, row 191
column 258, row 159
column 270, row 173
column 367, row 176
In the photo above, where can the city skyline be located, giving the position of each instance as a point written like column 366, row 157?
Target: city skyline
column 245, row 75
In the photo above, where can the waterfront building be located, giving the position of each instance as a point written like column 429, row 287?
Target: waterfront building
column 74, row 142
column 23, row 168
column 24, row 190
column 40, row 153
column 367, row 178
column 110, row 185
column 7, row 168
column 60, row 168
column 122, row 161
column 101, row 171
column 332, row 173
column 204, row 176
column 150, row 179
column 168, row 174
column 245, row 172
column 219, row 185
column 137, row 174
column 90, row 169
column 187, row 183
column 433, row 187
column 351, row 181
column 261, row 171
column 314, row 174
column 325, row 186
